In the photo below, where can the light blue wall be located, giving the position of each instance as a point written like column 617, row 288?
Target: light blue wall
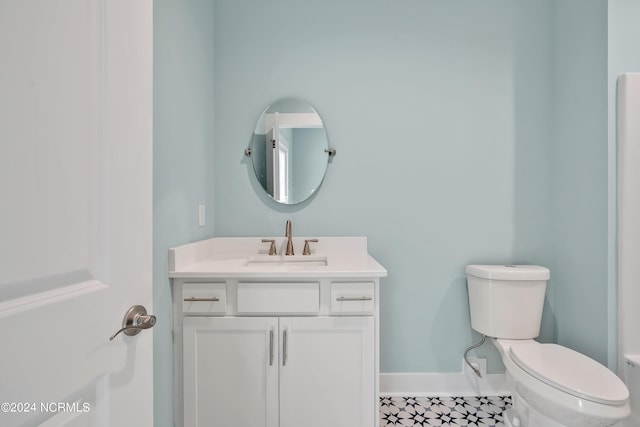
column 441, row 115
column 182, row 160
column 579, row 168
column 624, row 40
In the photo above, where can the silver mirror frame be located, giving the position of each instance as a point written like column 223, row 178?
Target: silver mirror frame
column 290, row 151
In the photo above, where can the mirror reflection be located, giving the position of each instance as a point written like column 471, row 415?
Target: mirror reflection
column 289, row 151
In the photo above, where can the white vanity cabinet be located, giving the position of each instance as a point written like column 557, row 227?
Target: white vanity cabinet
column 276, row 350
column 287, row 371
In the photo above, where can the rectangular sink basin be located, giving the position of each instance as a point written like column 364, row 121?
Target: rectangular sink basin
column 286, row 261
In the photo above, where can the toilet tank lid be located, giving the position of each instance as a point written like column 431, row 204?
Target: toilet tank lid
column 509, row 272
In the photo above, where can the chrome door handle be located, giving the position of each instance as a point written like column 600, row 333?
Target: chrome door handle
column 135, row 320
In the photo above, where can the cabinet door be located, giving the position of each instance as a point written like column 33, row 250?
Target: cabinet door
column 230, row 372
column 327, row 372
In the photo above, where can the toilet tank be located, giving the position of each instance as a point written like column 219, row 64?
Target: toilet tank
column 506, row 301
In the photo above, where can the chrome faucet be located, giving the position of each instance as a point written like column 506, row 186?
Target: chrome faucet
column 289, row 241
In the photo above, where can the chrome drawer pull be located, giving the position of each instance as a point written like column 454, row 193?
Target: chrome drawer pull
column 194, row 299
column 353, row 299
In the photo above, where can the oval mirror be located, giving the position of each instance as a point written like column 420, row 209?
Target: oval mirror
column 290, row 151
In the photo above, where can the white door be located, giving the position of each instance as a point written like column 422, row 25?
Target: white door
column 327, row 372
column 75, row 211
column 271, row 163
column 230, row 371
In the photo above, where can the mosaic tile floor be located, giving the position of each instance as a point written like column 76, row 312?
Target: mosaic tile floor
column 443, row 411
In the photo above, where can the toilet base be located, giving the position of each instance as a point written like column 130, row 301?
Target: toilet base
column 508, row 417
column 523, row 414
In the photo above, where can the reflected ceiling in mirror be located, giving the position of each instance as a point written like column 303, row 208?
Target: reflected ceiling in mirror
column 290, row 151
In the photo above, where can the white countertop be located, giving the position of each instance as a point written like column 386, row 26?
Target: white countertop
column 230, row 257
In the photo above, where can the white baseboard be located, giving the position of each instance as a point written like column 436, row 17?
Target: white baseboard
column 442, row 384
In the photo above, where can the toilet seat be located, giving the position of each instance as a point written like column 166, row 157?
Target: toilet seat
column 569, row 371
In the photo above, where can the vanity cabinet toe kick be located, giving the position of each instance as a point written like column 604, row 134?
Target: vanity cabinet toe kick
column 245, row 350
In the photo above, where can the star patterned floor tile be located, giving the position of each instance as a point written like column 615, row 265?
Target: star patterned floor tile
column 475, row 411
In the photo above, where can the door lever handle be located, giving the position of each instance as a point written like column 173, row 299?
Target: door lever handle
column 135, row 320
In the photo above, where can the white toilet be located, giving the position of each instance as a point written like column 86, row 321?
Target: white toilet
column 552, row 386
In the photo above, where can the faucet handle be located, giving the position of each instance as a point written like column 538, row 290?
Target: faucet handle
column 272, row 248
column 307, row 250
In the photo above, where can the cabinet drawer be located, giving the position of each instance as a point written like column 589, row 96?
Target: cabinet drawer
column 204, row 298
column 353, row 298
column 280, row 298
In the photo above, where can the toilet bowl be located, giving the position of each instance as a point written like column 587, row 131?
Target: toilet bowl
column 555, row 386
column 552, row 386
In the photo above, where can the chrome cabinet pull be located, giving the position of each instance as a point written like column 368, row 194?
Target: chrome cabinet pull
column 271, row 347
column 284, row 348
column 194, row 299
column 354, row 299
column 135, row 320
